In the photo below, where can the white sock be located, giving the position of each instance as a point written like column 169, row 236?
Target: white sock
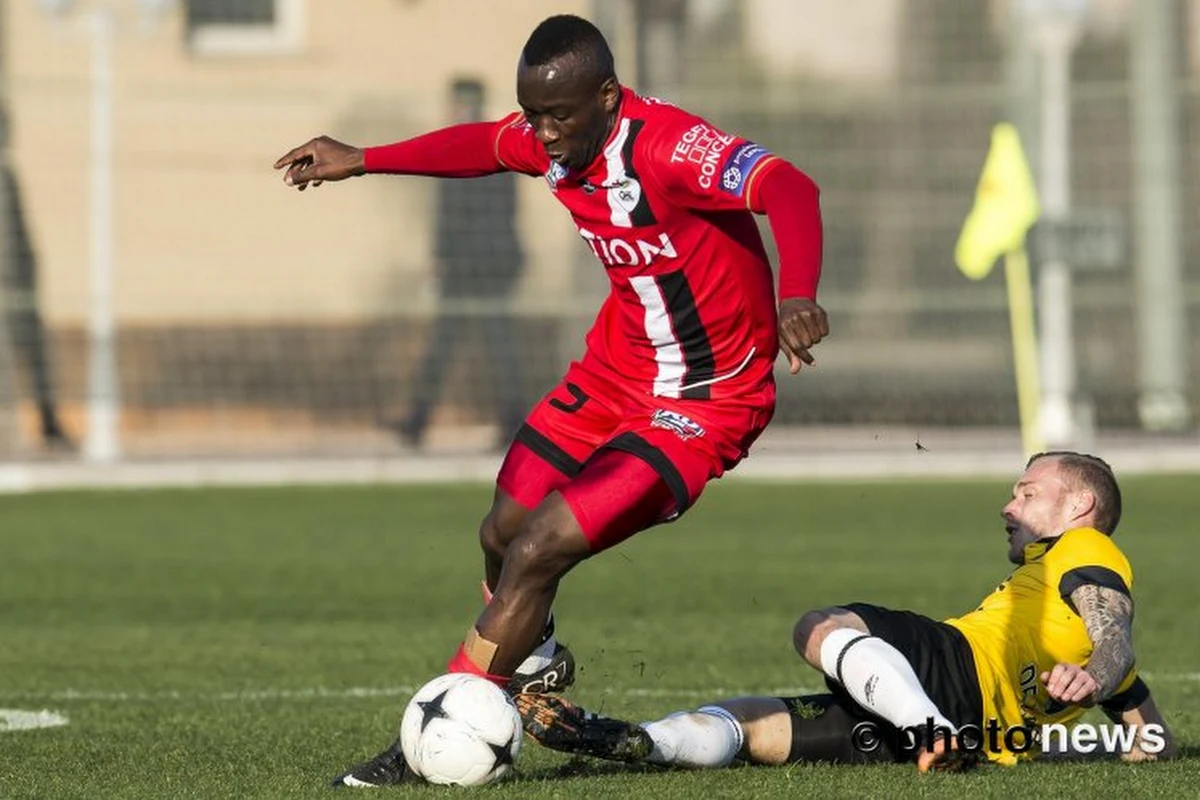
column 879, row 678
column 539, row 658
column 705, row 738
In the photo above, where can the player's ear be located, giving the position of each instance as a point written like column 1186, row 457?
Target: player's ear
column 610, row 93
column 1083, row 504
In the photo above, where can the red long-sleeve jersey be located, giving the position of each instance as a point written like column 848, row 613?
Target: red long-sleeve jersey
column 666, row 207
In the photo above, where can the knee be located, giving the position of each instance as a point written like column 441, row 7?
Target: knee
column 492, row 538
column 543, row 550
column 811, row 630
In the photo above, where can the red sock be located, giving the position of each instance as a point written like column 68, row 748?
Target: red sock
column 461, row 663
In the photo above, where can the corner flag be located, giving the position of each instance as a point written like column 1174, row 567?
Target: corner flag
column 1006, row 206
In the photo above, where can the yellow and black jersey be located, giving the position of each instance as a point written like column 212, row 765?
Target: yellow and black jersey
column 1028, row 624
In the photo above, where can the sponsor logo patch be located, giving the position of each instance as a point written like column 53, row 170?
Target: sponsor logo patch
column 682, row 426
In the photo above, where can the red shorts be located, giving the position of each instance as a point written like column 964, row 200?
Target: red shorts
column 625, row 460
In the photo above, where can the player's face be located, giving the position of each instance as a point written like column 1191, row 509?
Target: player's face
column 1039, row 508
column 570, row 116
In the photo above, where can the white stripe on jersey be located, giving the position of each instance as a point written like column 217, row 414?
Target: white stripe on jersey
column 615, row 177
column 667, row 352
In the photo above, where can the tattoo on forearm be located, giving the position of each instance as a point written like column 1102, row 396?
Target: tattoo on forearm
column 1108, row 616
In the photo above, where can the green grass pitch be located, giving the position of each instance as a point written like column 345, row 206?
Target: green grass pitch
column 254, row 642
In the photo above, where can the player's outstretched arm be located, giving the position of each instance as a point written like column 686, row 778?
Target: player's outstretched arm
column 318, row 160
column 1146, row 735
column 459, row 151
column 1154, row 739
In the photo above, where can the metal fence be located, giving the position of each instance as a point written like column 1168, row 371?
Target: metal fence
column 246, row 321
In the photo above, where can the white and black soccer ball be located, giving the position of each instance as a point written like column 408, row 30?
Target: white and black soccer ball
column 461, row 729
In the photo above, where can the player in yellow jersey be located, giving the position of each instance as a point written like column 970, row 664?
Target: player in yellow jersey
column 1003, row 681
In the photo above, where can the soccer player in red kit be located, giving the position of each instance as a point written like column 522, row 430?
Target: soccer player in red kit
column 676, row 381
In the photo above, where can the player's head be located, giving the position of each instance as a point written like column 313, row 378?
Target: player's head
column 568, row 89
column 1058, row 491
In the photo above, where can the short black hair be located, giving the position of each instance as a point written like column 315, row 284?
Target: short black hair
column 1095, row 475
column 569, row 35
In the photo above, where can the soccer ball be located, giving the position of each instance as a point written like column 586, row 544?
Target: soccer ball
column 460, row 729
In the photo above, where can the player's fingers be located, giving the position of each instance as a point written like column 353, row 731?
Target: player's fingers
column 795, row 334
column 294, row 155
column 1081, row 694
column 292, row 176
column 815, row 326
column 1054, row 683
column 823, row 323
column 1073, row 687
column 794, row 363
column 1078, row 685
column 798, row 357
column 301, row 173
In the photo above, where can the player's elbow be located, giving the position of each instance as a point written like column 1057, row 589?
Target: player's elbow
column 785, row 181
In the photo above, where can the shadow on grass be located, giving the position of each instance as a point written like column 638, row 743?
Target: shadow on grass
column 581, row 767
column 1189, row 751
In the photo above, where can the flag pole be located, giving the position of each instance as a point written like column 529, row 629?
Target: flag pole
column 1025, row 355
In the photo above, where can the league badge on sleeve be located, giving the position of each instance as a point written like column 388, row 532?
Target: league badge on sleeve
column 738, row 166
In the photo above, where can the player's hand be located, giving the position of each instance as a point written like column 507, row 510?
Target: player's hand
column 802, row 324
column 318, row 160
column 1071, row 684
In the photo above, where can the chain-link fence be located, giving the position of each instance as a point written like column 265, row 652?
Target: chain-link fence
column 249, row 319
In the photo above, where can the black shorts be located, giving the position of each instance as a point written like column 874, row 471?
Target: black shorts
column 828, row 727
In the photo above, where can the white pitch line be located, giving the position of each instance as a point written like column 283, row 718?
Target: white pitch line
column 17, row 719
column 323, row 693
column 1172, row 677
column 326, row 693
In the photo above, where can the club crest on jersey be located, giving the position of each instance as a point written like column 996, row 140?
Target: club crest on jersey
column 554, row 174
column 625, row 193
column 682, row 426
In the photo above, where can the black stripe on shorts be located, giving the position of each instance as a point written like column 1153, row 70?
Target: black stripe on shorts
column 635, row 445
column 548, row 451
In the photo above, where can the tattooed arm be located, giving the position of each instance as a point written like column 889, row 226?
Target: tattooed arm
column 1108, row 616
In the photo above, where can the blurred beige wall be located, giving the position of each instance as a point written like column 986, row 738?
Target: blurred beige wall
column 204, row 228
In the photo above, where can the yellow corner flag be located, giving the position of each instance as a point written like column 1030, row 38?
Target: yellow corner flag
column 1006, row 206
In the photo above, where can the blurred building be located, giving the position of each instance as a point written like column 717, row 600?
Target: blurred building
column 253, row 317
